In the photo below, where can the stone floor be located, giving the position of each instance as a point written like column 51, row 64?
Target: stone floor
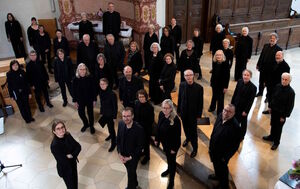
column 254, row 166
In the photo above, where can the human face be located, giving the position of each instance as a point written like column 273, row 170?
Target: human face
column 218, row 29
column 273, row 40
column 151, row 31
column 83, row 17
column 142, row 98
column 189, row 46
column 41, row 29
column 60, row 130
column 10, row 18
column 246, row 76
column 58, row 34
column 166, row 32
column 32, row 57
column 279, row 57
column 155, row 49
column 244, row 32
column 225, row 45
column 127, row 117
column 219, row 56
column 33, row 22
column 128, row 72
column 227, row 113
column 15, row 67
column 111, row 7
column 196, row 33
column 103, row 85
column 101, row 62
column 166, row 109
column 189, row 77
column 168, row 60
column 82, row 71
column 133, row 47
column 61, row 55
column 86, row 40
column 111, row 40
column 285, row 80
column 173, row 21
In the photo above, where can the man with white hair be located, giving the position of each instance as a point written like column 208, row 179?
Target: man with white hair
column 280, row 107
column 85, row 27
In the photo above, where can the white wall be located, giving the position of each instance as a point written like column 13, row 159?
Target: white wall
column 23, row 10
column 296, row 5
column 161, row 14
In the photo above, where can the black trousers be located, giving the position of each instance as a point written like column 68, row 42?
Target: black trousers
column 190, row 130
column 199, row 68
column 90, row 111
column 115, row 75
column 131, row 166
column 38, row 92
column 262, row 80
column 221, row 171
column 111, row 128
column 18, row 47
column 62, row 86
column 23, row 104
column 270, row 89
column 240, row 66
column 276, row 127
column 171, row 160
column 43, row 57
column 71, row 178
column 243, row 123
column 217, row 96
column 177, row 53
column 147, row 142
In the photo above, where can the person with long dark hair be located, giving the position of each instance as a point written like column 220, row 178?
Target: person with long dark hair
column 14, row 35
column 150, row 37
column 168, row 133
column 108, row 110
column 65, row 150
column 44, row 47
column 103, row 70
column 167, row 43
column 19, row 90
column 60, row 42
column 134, row 59
column 85, row 96
column 32, row 33
column 144, row 115
column 63, row 74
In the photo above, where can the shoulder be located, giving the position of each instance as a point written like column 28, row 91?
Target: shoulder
column 182, row 84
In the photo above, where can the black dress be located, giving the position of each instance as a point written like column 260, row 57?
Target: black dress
column 167, row 45
column 147, row 43
column 155, row 68
column 167, row 80
column 14, row 34
column 62, row 44
column 86, row 27
column 188, row 60
column 135, row 61
column 66, row 167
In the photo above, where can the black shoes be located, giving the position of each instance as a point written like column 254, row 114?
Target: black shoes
column 259, row 94
column 274, row 146
column 193, row 154
column 49, row 105
column 145, row 160
column 42, row 109
column 266, row 100
column 65, row 103
column 266, row 112
column 83, row 128
column 212, row 177
column 112, row 147
column 107, row 138
column 165, row 173
column 267, row 138
column 185, row 143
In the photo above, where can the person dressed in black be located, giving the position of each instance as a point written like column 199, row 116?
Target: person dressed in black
column 114, row 52
column 224, row 142
column 103, row 70
column 87, row 52
column 217, row 39
column 144, row 115
column 60, row 42
column 32, row 33
column 227, row 52
column 242, row 99
column 38, row 79
column 19, row 89
column 280, row 107
column 65, row 150
column 85, row 27
column 266, row 62
column 44, row 47
column 190, row 107
column 63, row 74
column 243, row 52
column 219, row 81
column 155, row 67
column 85, row 96
column 128, row 87
column 167, row 77
column 134, row 59
column 175, row 31
column 112, row 21
column 188, row 60
column 150, row 37
column 167, row 42
column 198, row 48
column 130, row 143
column 169, row 133
column 108, row 110
column 14, row 35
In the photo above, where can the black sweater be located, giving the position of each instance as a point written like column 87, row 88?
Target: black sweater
column 84, row 90
column 167, row 77
column 104, row 72
column 115, row 54
column 17, row 84
column 188, row 62
column 198, row 46
column 63, row 44
column 144, row 115
column 43, row 42
column 220, row 75
column 63, row 70
column 108, row 103
column 148, row 42
column 167, row 45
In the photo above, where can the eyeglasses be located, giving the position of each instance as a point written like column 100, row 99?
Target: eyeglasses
column 227, row 111
column 166, row 108
column 60, row 128
column 188, row 75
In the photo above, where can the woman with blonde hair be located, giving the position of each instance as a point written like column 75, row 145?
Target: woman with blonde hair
column 134, row 59
column 168, row 133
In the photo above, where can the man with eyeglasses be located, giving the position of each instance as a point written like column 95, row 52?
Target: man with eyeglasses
column 130, row 142
column 190, row 106
column 224, row 142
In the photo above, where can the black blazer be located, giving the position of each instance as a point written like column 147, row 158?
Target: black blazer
column 36, row 74
column 111, row 23
column 167, row 77
column 84, row 90
column 220, row 75
column 13, row 30
column 136, row 63
column 60, row 147
column 130, row 142
column 63, row 44
column 266, row 61
column 108, row 103
column 63, row 70
column 278, row 70
column 86, row 28
column 168, row 135
column 144, row 115
column 17, row 84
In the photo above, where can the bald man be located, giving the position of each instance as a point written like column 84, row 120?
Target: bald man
column 280, row 107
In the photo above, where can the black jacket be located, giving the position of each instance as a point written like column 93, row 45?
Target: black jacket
column 168, row 135
column 144, row 115
column 60, row 147
column 88, row 55
column 167, row 45
column 111, row 23
column 229, row 56
column 115, row 54
column 198, row 46
column 13, row 30
column 188, row 62
column 243, row 47
column 104, row 72
column 84, row 90
column 128, row 90
column 167, row 77
column 148, row 42
column 283, row 100
column 224, row 140
column 43, row 42
column 63, row 44
column 243, row 96
column 192, row 110
column 86, row 28
column 278, row 70
column 17, row 84
column 176, row 33
column 136, row 62
column 108, row 103
column 130, row 142
column 266, row 61
column 216, row 42
column 36, row 74
column 32, row 35
column 63, row 70
column 220, row 75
